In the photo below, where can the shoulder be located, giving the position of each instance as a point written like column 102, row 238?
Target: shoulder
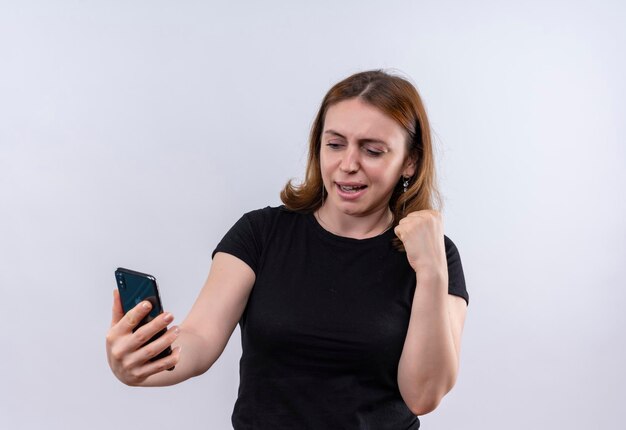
column 248, row 238
column 269, row 219
column 268, row 214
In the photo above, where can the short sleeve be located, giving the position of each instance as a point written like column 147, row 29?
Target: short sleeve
column 242, row 241
column 456, row 278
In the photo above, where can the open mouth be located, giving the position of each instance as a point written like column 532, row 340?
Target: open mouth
column 351, row 189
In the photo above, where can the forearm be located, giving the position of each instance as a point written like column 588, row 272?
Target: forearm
column 428, row 364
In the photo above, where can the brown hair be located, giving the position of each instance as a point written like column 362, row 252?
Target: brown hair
column 396, row 97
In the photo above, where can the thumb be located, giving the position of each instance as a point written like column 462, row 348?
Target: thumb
column 118, row 312
column 398, row 231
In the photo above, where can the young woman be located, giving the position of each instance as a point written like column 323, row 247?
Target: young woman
column 350, row 298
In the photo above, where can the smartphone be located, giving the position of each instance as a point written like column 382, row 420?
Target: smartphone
column 135, row 287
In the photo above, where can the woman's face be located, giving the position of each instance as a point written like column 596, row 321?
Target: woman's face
column 362, row 156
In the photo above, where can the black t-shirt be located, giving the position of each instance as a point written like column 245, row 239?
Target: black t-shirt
column 324, row 326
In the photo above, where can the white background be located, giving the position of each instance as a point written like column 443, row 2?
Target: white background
column 136, row 133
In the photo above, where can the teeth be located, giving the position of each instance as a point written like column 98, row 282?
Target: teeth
column 350, row 188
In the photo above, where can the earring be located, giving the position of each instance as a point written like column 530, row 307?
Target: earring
column 322, row 195
column 405, row 186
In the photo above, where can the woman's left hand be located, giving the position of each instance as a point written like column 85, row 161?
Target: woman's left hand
column 421, row 234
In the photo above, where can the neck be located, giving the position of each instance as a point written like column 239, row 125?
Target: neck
column 355, row 226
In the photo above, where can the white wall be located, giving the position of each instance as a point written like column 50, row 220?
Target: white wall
column 136, row 133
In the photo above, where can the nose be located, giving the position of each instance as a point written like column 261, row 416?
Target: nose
column 350, row 161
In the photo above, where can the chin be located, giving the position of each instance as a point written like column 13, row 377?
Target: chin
column 353, row 209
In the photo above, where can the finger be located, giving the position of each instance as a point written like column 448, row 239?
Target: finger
column 145, row 333
column 154, row 348
column 132, row 318
column 410, row 218
column 160, row 365
column 412, row 215
column 118, row 312
column 404, row 220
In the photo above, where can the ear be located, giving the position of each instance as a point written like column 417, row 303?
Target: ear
column 410, row 165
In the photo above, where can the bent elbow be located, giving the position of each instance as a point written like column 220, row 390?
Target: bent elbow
column 424, row 406
column 426, row 396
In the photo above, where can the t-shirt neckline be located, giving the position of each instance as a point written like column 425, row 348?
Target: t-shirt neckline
column 385, row 236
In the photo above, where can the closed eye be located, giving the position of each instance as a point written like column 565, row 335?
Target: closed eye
column 333, row 145
column 373, row 152
column 367, row 149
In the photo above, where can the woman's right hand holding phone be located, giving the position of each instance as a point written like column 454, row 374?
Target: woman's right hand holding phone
column 127, row 352
column 204, row 333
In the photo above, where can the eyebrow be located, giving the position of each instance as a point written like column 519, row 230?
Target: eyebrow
column 366, row 140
